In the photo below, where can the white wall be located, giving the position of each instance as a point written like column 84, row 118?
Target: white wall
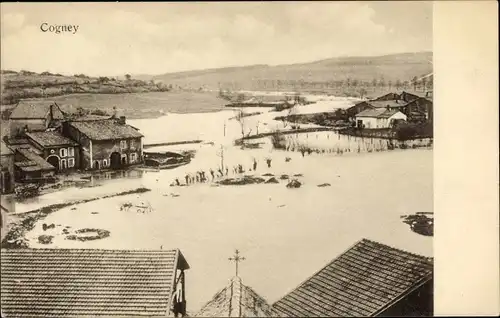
column 372, row 122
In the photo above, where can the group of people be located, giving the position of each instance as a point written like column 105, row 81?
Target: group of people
column 202, row 176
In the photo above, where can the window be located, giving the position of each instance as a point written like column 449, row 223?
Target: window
column 63, row 163
column 133, row 157
column 71, row 152
column 132, row 144
column 63, row 152
column 71, row 162
column 123, row 144
column 105, row 162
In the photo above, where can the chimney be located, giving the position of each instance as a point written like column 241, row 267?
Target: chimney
column 121, row 120
column 387, row 107
column 51, row 110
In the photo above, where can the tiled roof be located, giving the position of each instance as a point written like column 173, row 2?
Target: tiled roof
column 50, row 138
column 108, row 129
column 236, row 300
column 359, row 283
column 390, row 103
column 34, row 109
column 377, row 113
column 33, row 161
column 87, row 282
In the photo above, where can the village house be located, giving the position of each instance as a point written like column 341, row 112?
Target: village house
column 369, row 279
column 415, row 107
column 236, row 300
column 6, row 169
column 7, row 197
column 59, row 151
column 378, row 118
column 104, row 144
column 92, row 283
column 31, row 115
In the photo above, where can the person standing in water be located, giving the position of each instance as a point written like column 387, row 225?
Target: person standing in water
column 268, row 160
column 254, row 164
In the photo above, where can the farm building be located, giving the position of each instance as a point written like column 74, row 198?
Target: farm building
column 6, row 169
column 30, row 167
column 59, row 151
column 31, row 115
column 416, row 108
column 104, row 144
column 378, row 118
column 92, row 282
column 369, row 279
column 236, row 300
column 358, row 108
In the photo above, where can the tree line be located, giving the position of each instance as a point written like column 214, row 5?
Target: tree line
column 416, row 83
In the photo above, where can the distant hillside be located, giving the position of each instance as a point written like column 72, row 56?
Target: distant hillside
column 25, row 84
column 389, row 68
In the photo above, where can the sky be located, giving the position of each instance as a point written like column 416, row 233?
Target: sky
column 155, row 38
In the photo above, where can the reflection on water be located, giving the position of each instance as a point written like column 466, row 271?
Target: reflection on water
column 99, row 178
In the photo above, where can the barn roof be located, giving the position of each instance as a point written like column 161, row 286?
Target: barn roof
column 388, row 103
column 34, row 109
column 361, row 282
column 88, row 282
column 33, row 162
column 236, row 300
column 50, row 138
column 108, row 129
column 378, row 113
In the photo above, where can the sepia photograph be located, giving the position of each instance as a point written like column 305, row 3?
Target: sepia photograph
column 217, row 159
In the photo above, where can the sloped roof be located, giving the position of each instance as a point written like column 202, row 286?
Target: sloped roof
column 87, row 282
column 361, row 282
column 236, row 300
column 108, row 129
column 50, row 138
column 33, row 109
column 390, row 103
column 377, row 113
column 33, row 161
column 388, row 96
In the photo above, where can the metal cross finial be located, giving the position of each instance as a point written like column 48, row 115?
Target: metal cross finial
column 236, row 259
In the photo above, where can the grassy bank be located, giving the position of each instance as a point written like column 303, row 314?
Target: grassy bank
column 14, row 238
column 25, row 84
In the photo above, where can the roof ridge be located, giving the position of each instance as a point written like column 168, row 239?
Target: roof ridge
column 396, row 249
column 92, row 249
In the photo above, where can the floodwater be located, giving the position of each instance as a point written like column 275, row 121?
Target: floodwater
column 285, row 235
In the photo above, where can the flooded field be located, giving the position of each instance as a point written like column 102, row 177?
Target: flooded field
column 309, row 226
column 285, row 234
